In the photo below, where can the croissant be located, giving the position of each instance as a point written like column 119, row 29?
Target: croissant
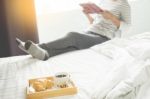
column 42, row 84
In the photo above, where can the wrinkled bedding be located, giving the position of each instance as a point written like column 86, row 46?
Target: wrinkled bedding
column 132, row 74
column 117, row 69
column 86, row 72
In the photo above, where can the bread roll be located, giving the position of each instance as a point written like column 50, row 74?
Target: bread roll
column 42, row 84
column 50, row 84
column 38, row 86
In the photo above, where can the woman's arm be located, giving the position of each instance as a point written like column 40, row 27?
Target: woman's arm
column 90, row 18
column 123, row 22
column 108, row 15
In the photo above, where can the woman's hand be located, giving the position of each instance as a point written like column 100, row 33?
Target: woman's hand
column 90, row 18
column 86, row 11
column 108, row 15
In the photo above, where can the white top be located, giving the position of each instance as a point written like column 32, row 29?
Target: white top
column 119, row 8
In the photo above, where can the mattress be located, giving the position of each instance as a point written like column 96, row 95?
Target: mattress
column 86, row 67
column 89, row 69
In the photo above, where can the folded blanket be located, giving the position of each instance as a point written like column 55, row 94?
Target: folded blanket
column 123, row 82
column 132, row 68
column 118, row 73
column 127, row 89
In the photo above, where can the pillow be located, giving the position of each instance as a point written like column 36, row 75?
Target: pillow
column 145, row 35
column 137, row 46
column 139, row 49
column 112, row 48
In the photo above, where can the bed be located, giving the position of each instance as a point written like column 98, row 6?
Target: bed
column 96, row 71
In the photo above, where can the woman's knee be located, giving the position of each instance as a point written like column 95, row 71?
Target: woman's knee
column 73, row 34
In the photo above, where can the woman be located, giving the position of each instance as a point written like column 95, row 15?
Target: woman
column 106, row 25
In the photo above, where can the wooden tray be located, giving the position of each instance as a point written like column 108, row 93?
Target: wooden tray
column 70, row 90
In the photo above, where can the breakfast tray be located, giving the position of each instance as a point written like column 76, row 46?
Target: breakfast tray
column 53, row 92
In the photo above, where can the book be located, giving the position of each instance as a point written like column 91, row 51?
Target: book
column 91, row 7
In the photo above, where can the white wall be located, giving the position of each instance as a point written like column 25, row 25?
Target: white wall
column 140, row 17
column 52, row 26
column 56, row 25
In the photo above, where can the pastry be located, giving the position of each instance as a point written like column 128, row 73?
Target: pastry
column 50, row 84
column 40, row 84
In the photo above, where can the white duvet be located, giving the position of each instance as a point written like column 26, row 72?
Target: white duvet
column 117, row 69
column 132, row 69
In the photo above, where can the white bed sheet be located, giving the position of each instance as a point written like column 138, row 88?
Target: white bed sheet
column 87, row 69
column 144, row 92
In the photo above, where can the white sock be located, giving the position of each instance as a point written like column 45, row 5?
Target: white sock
column 33, row 49
column 37, row 51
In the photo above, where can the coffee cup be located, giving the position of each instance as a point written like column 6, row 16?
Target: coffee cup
column 62, row 79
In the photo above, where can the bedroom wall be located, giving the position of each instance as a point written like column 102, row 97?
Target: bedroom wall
column 140, row 17
column 55, row 25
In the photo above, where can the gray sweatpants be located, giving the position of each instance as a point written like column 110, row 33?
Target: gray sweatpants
column 73, row 41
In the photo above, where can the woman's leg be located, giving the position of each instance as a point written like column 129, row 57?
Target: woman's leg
column 72, row 41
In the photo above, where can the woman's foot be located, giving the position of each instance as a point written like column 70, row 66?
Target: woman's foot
column 21, row 45
column 33, row 49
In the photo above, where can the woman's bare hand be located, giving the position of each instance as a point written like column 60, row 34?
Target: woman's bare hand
column 90, row 18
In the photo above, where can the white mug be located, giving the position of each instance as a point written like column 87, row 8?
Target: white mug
column 61, row 79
